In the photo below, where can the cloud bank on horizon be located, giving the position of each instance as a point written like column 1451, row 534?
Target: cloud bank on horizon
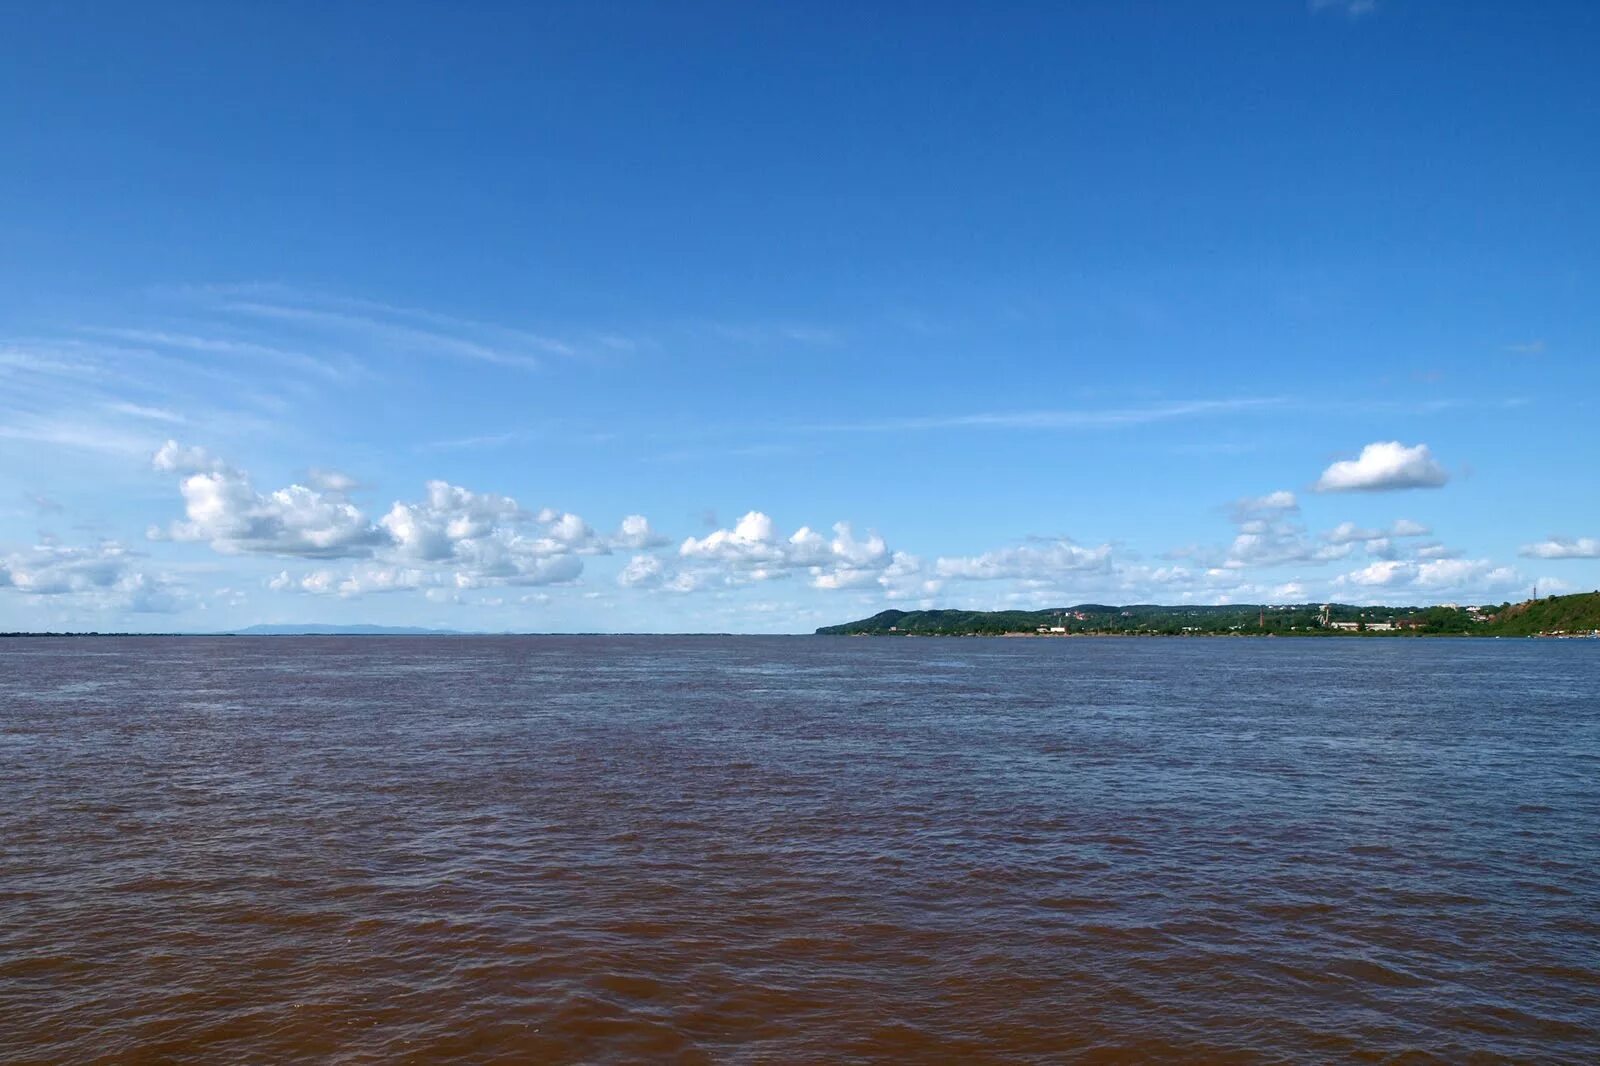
column 722, row 340
column 459, row 546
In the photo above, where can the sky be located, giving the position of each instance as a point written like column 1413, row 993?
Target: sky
column 758, row 317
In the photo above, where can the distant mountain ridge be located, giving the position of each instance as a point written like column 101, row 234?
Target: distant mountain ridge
column 291, row 630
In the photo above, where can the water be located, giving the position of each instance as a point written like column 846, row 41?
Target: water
column 799, row 849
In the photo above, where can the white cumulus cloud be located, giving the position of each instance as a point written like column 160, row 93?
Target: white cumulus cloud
column 224, row 510
column 1383, row 466
column 1268, row 506
column 1043, row 561
column 105, row 575
column 1350, row 533
column 1563, row 548
column 635, row 534
column 452, row 539
column 652, row 572
column 1433, row 576
column 356, row 582
column 755, row 550
column 175, row 458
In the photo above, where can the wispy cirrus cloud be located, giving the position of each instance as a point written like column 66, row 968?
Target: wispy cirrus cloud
column 376, row 325
column 335, row 366
column 113, row 398
column 226, row 359
column 762, row 334
column 1130, row 415
column 151, row 414
column 393, row 335
column 1075, row 418
column 1348, row 8
column 76, row 433
column 280, row 293
column 476, row 441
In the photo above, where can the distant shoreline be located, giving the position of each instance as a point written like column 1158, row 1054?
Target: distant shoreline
column 1576, row 615
column 367, row 631
column 1405, row 635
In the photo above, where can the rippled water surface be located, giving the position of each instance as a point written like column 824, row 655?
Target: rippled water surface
column 799, row 849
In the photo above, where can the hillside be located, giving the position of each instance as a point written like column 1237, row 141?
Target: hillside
column 1553, row 615
column 1578, row 613
column 1104, row 618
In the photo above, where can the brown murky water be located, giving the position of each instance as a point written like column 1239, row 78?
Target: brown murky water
column 798, row 850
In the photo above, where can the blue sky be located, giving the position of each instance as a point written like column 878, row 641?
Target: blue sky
column 753, row 318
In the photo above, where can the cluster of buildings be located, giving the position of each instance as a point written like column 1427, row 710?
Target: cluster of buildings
column 1061, row 621
column 1369, row 627
column 1474, row 613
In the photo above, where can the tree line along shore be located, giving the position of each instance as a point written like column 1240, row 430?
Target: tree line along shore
column 1552, row 616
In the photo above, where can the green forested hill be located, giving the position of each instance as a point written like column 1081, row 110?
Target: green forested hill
column 1555, row 614
column 1103, row 618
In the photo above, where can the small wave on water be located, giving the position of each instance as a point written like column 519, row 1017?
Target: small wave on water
column 768, row 850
